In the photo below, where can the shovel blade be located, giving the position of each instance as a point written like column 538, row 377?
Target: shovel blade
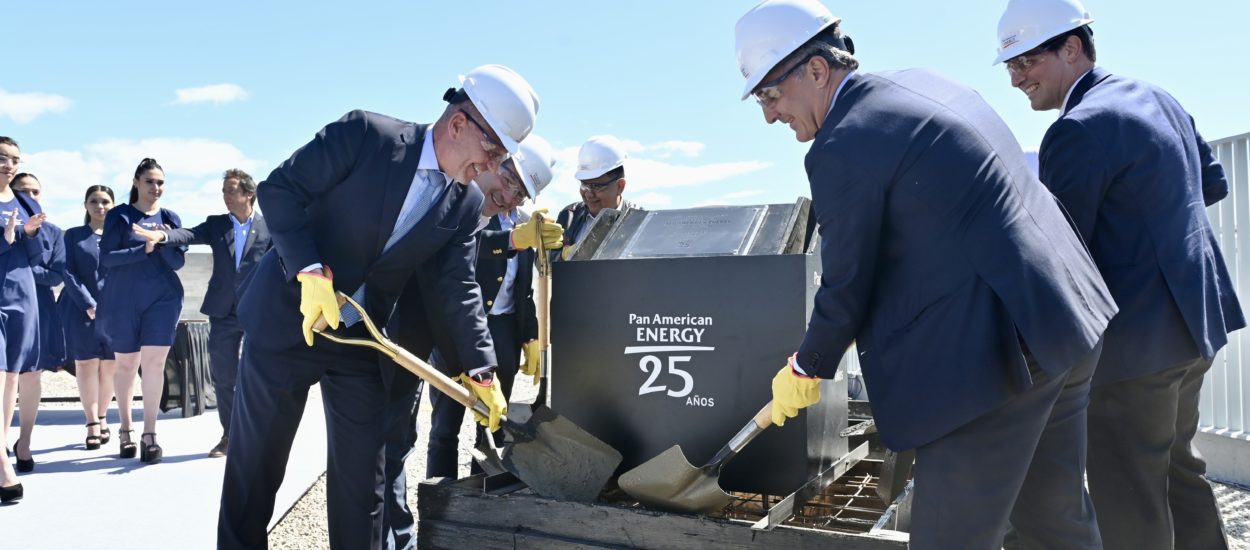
column 669, row 482
column 555, row 457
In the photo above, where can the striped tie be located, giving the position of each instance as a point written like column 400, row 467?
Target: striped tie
column 435, row 185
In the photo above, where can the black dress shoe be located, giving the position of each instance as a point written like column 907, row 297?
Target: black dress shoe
column 11, row 493
column 220, row 449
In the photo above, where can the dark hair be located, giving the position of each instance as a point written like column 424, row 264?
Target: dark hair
column 1086, row 36
column 144, row 165
column 86, row 218
column 615, row 173
column 21, row 175
column 6, row 140
column 831, row 45
column 246, row 183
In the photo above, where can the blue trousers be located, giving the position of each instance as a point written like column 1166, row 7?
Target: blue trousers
column 1022, row 463
column 444, row 442
column 271, row 391
column 224, row 338
column 1147, row 480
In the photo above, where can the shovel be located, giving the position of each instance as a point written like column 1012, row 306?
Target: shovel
column 669, row 482
column 543, row 307
column 552, row 455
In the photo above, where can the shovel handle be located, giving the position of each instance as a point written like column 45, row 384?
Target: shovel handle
column 544, row 290
column 407, row 360
column 758, row 423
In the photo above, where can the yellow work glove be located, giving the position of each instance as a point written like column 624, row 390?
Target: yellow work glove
column 491, row 396
column 316, row 299
column 531, row 365
column 526, row 235
column 791, row 392
column 566, row 253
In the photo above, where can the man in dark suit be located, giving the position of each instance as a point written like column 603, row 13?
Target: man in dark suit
column 601, row 170
column 976, row 310
column 369, row 203
column 238, row 239
column 1130, row 167
column 505, row 259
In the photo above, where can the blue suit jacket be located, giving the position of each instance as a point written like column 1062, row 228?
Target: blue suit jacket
column 941, row 253
column 335, row 202
column 49, row 273
column 218, row 233
column 1129, row 165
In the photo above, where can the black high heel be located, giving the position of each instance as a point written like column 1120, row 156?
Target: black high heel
column 127, row 447
column 151, row 452
column 23, row 465
column 105, row 433
column 11, row 493
column 93, row 441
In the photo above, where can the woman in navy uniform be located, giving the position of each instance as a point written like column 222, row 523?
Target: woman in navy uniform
column 84, row 278
column 47, row 274
column 19, row 328
column 140, row 302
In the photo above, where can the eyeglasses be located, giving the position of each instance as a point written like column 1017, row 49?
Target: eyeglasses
column 768, row 93
column 595, row 188
column 512, row 181
column 11, row 161
column 494, row 149
column 1027, row 60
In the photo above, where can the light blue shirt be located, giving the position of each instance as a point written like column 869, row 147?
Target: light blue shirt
column 421, row 180
column 241, row 231
column 503, row 301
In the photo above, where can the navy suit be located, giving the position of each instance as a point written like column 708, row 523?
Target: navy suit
column 220, row 302
column 336, row 202
column 976, row 310
column 84, row 279
column 1129, row 165
column 49, row 273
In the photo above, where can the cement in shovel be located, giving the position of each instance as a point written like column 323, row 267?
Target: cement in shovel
column 669, row 482
column 549, row 453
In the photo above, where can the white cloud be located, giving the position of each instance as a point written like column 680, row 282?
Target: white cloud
column 648, row 169
column 215, row 93
column 193, row 170
column 731, row 198
column 25, row 107
column 652, row 200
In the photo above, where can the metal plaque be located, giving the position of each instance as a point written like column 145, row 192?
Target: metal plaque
column 711, row 231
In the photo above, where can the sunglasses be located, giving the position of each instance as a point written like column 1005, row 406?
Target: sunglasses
column 768, row 93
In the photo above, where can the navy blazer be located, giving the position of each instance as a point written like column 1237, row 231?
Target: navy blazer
column 335, row 202
column 84, row 275
column 941, row 253
column 218, row 233
column 1131, row 168
column 49, row 273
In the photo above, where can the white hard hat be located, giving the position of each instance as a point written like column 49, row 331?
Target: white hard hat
column 1026, row 24
column 534, row 162
column 598, row 156
column 771, row 31
column 506, row 101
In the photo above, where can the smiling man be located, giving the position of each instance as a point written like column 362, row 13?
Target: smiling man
column 506, row 247
column 1129, row 165
column 360, row 209
column 977, row 312
column 601, row 170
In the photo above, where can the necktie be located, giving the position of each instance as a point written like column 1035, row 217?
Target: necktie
column 433, row 188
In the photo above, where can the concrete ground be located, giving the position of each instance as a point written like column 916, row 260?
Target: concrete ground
column 77, row 498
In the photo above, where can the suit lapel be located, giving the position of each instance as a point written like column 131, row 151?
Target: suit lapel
column 1094, row 76
column 399, row 178
column 228, row 229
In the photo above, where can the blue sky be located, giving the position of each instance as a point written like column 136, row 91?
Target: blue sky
column 90, row 88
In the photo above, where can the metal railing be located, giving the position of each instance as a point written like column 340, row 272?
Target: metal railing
column 1225, row 405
